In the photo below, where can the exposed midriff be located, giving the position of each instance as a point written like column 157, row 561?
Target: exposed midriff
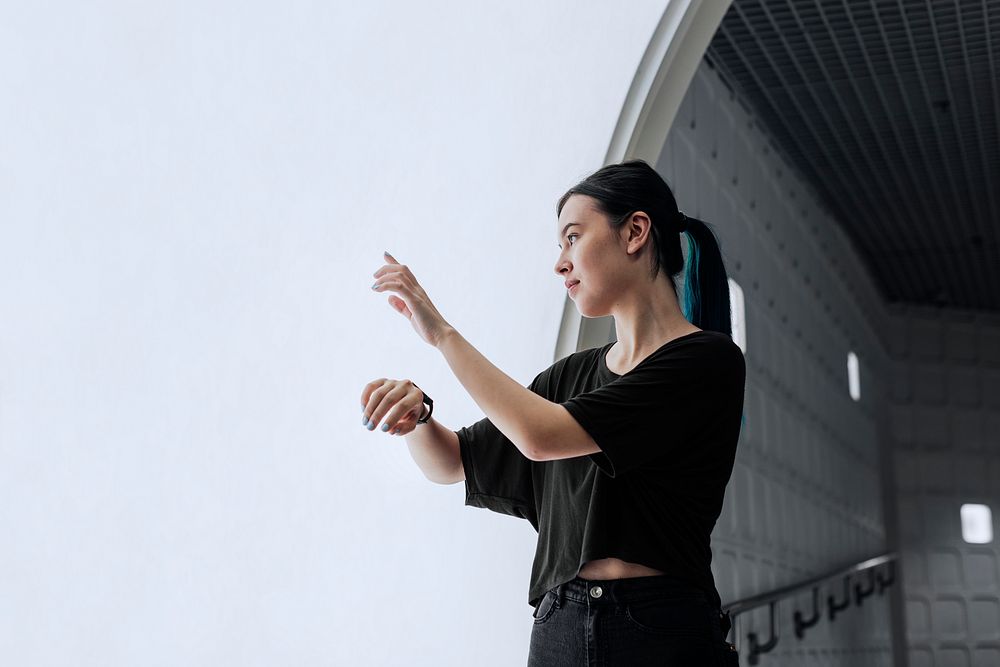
column 614, row 568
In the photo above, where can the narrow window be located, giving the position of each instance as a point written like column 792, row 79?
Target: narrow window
column 977, row 524
column 737, row 313
column 853, row 379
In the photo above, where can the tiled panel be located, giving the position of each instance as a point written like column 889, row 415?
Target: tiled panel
column 918, row 618
column 930, row 424
column 972, row 474
column 981, row 570
column 991, row 388
column 964, row 386
column 952, row 655
column 948, row 618
column 989, row 346
column 946, row 446
column 920, row 656
column 805, row 495
column 926, row 340
column 985, row 656
column 984, row 618
column 929, row 384
column 806, row 490
column 914, row 569
column 944, row 569
column 960, row 343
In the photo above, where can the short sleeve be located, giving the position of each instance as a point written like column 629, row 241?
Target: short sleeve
column 663, row 404
column 498, row 476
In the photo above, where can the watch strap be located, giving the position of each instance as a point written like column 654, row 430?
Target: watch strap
column 429, row 403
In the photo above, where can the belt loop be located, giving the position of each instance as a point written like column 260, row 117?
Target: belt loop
column 725, row 622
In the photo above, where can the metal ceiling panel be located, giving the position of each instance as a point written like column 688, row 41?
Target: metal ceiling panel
column 891, row 108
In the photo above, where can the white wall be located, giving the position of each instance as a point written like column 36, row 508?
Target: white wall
column 193, row 199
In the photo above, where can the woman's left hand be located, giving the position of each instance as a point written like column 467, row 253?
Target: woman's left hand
column 412, row 301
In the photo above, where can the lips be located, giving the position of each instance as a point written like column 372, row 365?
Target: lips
column 570, row 283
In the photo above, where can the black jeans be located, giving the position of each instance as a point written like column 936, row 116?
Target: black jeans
column 635, row 622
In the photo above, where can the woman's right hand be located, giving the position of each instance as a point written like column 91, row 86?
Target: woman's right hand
column 398, row 402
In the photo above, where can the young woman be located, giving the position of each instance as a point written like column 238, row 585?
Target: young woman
column 618, row 456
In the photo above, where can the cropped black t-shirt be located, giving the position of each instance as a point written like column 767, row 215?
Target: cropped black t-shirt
column 667, row 430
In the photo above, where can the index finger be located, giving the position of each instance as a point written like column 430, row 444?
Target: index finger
column 366, row 393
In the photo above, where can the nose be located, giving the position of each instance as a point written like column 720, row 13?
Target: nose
column 561, row 266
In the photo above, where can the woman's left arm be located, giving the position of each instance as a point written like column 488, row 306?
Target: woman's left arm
column 528, row 420
column 540, row 429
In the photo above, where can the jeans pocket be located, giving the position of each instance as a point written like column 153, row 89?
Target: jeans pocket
column 546, row 606
column 675, row 616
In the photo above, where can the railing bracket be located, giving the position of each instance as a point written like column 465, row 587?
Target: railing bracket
column 861, row 593
column 802, row 624
column 755, row 648
column 833, row 606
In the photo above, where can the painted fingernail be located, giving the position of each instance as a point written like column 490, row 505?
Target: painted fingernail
column 364, row 421
column 385, row 427
column 375, row 285
column 371, row 426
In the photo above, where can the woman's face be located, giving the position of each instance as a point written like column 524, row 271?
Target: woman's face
column 589, row 253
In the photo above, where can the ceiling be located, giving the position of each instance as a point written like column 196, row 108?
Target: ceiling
column 891, row 108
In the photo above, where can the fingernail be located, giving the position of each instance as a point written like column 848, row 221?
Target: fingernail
column 385, row 252
column 371, row 426
column 385, row 427
column 375, row 285
column 364, row 421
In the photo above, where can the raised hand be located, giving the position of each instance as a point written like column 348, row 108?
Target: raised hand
column 412, row 301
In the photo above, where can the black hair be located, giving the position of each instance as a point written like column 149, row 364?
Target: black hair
column 621, row 190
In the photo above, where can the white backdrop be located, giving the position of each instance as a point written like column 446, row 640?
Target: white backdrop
column 193, row 200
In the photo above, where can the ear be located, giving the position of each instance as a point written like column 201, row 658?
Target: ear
column 638, row 226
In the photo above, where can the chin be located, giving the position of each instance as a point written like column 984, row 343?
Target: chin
column 589, row 313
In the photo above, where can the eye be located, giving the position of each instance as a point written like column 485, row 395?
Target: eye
column 569, row 236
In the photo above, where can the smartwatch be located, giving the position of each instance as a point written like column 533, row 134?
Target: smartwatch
column 429, row 403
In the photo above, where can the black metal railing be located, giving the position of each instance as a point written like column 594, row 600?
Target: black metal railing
column 870, row 584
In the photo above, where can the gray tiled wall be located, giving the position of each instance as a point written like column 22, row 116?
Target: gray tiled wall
column 945, row 429
column 807, row 492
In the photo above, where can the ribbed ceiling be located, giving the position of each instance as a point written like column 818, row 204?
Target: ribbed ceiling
column 892, row 110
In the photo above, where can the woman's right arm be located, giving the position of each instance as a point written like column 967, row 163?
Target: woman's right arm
column 435, row 450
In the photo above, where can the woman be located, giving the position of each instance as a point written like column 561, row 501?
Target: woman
column 618, row 456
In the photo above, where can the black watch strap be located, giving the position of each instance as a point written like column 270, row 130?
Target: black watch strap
column 429, row 403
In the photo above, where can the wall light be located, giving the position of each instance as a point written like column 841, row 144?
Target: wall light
column 977, row 524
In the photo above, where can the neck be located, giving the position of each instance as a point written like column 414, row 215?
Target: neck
column 641, row 330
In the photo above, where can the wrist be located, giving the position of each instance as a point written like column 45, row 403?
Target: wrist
column 445, row 334
column 428, row 408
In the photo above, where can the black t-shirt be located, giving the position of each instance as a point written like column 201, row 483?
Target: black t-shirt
column 667, row 430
